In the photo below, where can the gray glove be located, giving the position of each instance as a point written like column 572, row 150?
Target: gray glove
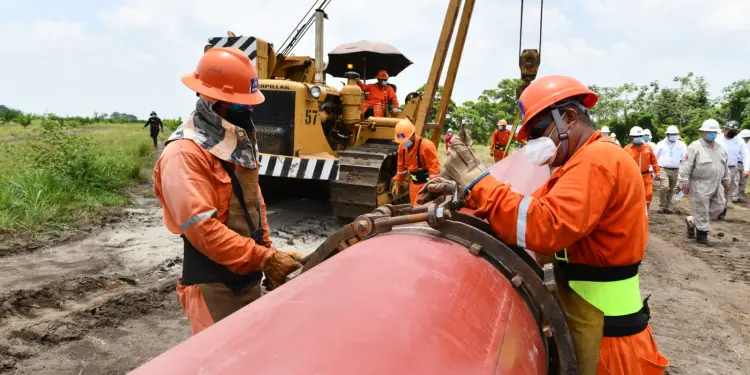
column 461, row 168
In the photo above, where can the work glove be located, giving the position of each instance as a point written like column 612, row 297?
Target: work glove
column 398, row 187
column 461, row 168
column 280, row 264
column 657, row 178
column 395, row 110
column 726, row 191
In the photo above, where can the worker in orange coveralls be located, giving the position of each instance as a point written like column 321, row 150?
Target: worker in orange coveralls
column 645, row 157
column 380, row 96
column 417, row 161
column 207, row 182
column 590, row 214
column 499, row 140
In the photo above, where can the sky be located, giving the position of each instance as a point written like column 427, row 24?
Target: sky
column 78, row 57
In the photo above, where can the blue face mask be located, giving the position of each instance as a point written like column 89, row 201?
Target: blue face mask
column 646, row 138
column 606, row 134
column 500, row 127
column 672, row 138
column 711, row 137
column 408, row 143
column 637, row 141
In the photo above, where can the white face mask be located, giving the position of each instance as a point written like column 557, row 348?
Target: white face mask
column 540, row 151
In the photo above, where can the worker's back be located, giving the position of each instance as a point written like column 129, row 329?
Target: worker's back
column 615, row 203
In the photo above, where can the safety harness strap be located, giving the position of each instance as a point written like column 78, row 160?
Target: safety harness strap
column 614, row 290
column 256, row 233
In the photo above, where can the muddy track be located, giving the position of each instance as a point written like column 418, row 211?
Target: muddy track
column 105, row 302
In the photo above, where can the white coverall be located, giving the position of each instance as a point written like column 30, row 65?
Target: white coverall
column 739, row 162
column 706, row 170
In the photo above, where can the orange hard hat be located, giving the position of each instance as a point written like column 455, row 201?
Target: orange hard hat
column 503, row 123
column 226, row 74
column 404, row 130
column 382, row 75
column 547, row 91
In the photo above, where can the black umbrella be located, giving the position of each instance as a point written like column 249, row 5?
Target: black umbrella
column 366, row 58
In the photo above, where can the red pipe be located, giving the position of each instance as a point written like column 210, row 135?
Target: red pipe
column 400, row 303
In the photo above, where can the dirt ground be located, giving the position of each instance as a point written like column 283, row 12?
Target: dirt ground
column 105, row 303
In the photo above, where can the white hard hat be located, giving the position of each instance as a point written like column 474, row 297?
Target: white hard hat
column 646, row 131
column 605, row 129
column 744, row 133
column 710, row 125
column 636, row 131
column 671, row 129
column 450, row 130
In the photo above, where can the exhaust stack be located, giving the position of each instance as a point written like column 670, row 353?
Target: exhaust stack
column 319, row 63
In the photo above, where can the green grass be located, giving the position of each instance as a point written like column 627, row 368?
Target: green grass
column 52, row 181
column 481, row 151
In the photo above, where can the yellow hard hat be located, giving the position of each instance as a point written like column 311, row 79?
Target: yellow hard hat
column 502, row 122
column 404, row 131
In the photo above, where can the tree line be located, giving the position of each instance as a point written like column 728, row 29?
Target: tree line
column 10, row 115
column 686, row 104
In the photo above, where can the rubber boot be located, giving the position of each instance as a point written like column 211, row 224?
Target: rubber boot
column 702, row 237
column 690, row 229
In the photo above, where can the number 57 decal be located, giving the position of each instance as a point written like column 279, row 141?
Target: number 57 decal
column 311, row 116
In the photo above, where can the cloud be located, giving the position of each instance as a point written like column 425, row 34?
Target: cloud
column 128, row 55
column 57, row 31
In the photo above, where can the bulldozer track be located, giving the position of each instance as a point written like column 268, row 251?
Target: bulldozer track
column 363, row 171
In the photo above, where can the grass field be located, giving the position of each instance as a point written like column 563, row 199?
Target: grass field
column 52, row 179
column 481, row 151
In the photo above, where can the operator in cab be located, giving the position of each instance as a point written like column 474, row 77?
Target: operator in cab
column 381, row 97
column 589, row 219
column 417, row 162
column 206, row 180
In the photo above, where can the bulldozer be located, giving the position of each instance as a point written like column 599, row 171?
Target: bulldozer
column 310, row 130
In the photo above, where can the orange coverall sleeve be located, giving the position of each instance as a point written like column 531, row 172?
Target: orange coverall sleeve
column 430, row 157
column 402, row 174
column 546, row 223
column 190, row 198
column 392, row 95
column 654, row 161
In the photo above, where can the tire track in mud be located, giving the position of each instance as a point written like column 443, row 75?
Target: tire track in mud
column 700, row 293
column 106, row 303
column 38, row 319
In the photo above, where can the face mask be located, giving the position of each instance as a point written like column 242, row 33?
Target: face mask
column 732, row 133
column 606, row 134
column 383, row 83
column 637, row 141
column 672, row 138
column 710, row 137
column 242, row 119
column 408, row 143
column 647, row 138
column 500, row 127
column 540, row 151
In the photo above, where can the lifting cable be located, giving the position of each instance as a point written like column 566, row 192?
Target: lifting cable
column 509, row 144
column 520, row 28
column 298, row 32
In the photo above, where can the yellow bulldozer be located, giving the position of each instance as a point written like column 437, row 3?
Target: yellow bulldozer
column 310, row 130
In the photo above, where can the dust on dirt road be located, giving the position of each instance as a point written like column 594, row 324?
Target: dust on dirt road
column 106, row 303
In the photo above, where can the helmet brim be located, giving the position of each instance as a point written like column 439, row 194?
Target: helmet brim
column 198, row 86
